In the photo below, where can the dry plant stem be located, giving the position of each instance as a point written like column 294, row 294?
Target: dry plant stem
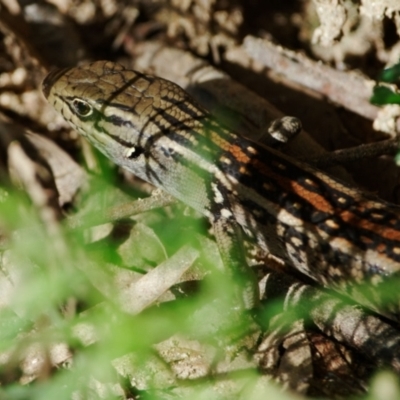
column 350, row 325
column 47, row 34
column 26, row 171
column 385, row 147
column 158, row 199
column 347, row 89
column 69, row 177
column 30, row 170
column 17, row 25
column 147, row 290
column 141, row 293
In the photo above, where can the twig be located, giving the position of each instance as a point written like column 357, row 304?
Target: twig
column 342, row 156
column 348, row 324
column 345, row 88
column 122, row 211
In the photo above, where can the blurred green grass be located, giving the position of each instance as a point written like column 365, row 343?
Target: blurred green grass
column 52, row 298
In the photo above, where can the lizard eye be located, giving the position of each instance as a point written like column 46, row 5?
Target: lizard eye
column 82, row 108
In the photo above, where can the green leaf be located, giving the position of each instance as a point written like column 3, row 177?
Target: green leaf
column 391, row 74
column 383, row 95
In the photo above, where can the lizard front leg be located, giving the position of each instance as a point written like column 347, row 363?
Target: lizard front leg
column 230, row 241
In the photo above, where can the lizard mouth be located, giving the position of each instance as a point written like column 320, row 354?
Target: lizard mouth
column 52, row 77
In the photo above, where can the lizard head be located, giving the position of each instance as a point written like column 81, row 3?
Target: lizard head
column 142, row 123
